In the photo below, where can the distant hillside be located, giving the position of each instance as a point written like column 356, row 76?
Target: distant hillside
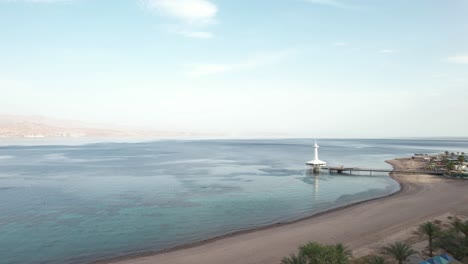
column 37, row 126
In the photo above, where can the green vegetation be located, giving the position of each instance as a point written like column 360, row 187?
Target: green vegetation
column 453, row 240
column 460, row 226
column 461, row 159
column 450, row 166
column 429, row 230
column 317, row 253
column 293, row 259
column 399, row 251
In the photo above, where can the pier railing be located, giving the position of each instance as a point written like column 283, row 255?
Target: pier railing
column 350, row 170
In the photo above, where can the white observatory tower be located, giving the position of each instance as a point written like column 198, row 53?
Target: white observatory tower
column 316, row 163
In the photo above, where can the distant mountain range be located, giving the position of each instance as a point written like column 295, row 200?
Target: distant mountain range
column 13, row 126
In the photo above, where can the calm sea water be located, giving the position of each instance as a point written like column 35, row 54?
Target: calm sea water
column 75, row 204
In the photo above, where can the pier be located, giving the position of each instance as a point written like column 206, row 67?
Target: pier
column 350, row 170
column 318, row 165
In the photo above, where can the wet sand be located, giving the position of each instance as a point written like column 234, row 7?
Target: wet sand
column 422, row 197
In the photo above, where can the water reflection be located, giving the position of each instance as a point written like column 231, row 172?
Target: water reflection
column 312, row 177
column 311, row 172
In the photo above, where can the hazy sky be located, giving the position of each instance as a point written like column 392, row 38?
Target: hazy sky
column 306, row 68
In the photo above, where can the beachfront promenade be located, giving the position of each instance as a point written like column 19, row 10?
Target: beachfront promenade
column 350, row 170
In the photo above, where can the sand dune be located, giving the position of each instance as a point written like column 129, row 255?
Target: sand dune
column 359, row 227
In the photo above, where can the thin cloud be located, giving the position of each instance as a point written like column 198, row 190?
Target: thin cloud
column 188, row 32
column 189, row 11
column 332, row 3
column 254, row 62
column 192, row 16
column 460, row 59
column 388, row 51
column 340, row 44
column 35, row 1
column 197, row 34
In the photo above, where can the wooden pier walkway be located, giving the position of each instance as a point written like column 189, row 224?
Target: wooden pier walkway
column 350, row 170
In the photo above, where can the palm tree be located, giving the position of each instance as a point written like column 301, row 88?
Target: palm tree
column 342, row 253
column 454, row 242
column 293, row 259
column 343, row 250
column 430, row 231
column 460, row 226
column 399, row 251
column 375, row 260
column 450, row 166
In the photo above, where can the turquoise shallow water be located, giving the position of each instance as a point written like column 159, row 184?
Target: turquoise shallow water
column 75, row 204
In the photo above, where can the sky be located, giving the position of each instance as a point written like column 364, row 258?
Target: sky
column 244, row 68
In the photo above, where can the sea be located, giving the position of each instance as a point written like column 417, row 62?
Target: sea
column 78, row 203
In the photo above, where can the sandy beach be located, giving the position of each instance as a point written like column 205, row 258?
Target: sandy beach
column 361, row 227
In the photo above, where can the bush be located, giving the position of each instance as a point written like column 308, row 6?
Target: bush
column 318, row 253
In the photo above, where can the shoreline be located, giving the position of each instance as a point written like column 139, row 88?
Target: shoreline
column 241, row 232
column 361, row 226
column 130, row 257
